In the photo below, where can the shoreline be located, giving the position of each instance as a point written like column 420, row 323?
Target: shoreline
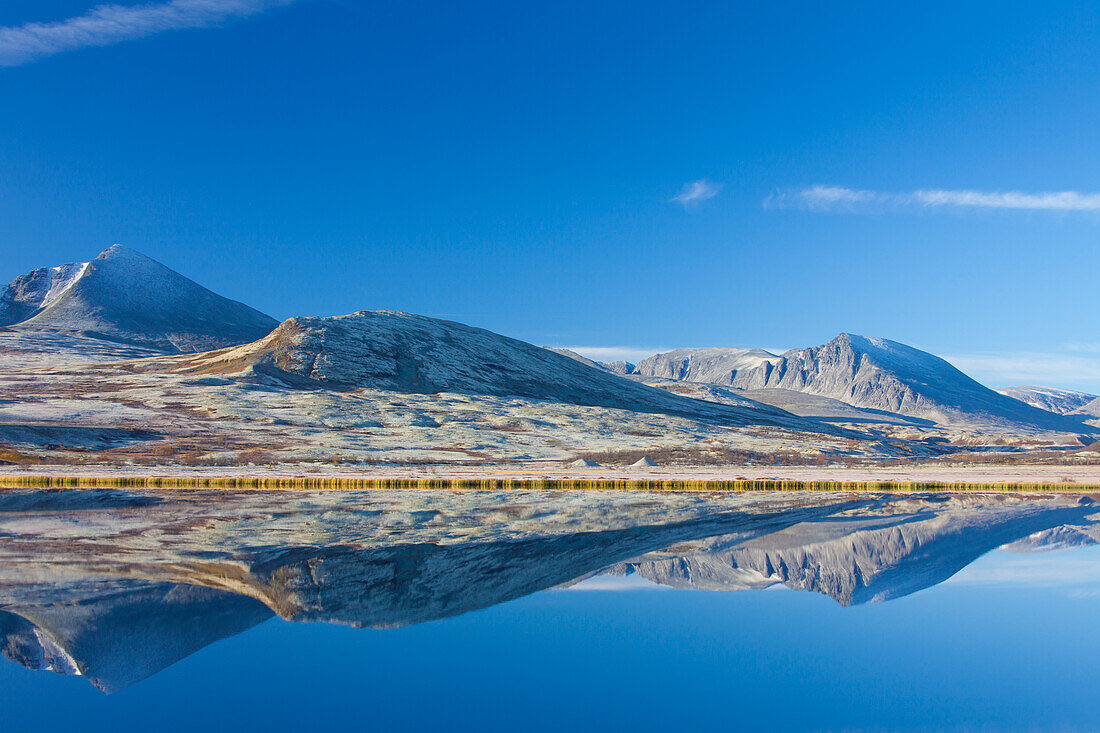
column 1041, row 478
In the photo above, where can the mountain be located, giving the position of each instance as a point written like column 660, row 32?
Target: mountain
column 622, row 368
column 409, row 353
column 872, row 373
column 1052, row 399
column 126, row 297
column 713, row 365
column 864, row 558
column 121, row 631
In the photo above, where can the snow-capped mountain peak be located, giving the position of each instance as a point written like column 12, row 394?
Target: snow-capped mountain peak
column 124, row 296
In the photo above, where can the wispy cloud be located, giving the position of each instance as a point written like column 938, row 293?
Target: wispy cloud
column 108, row 24
column 615, row 583
column 632, row 354
column 1001, row 369
column 1076, row 569
column 696, row 192
column 840, row 198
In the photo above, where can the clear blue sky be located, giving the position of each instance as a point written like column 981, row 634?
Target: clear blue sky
column 516, row 166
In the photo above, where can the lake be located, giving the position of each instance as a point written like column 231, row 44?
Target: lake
column 420, row 610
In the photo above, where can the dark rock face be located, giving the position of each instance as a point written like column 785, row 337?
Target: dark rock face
column 126, row 297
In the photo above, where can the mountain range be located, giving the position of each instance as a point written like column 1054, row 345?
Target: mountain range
column 872, row 373
column 173, row 347
column 1061, row 401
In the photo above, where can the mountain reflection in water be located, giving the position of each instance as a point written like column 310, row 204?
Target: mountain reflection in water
column 116, row 586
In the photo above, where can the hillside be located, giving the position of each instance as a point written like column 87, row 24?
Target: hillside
column 409, row 353
column 125, row 297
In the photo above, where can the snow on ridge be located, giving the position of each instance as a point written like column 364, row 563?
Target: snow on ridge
column 62, row 278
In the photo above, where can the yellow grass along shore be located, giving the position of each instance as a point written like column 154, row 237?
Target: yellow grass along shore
column 525, row 484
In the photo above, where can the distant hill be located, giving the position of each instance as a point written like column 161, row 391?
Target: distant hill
column 871, row 373
column 126, row 297
column 1061, row 401
column 714, row 365
column 410, row 353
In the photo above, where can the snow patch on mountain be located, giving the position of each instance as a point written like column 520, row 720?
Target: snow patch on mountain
column 29, row 294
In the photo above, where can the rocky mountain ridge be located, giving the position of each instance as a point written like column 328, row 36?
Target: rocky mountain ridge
column 1052, row 399
column 871, row 373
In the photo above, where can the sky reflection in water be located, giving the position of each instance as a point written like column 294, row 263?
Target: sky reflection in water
column 1007, row 643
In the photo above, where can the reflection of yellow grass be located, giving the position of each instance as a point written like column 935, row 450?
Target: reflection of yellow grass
column 504, row 484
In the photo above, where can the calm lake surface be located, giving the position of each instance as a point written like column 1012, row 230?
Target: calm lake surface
column 542, row 611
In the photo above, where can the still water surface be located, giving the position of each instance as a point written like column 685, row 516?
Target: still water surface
column 542, row 612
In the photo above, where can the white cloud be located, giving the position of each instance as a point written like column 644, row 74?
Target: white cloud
column 695, row 192
column 1075, row 568
column 832, row 198
column 633, row 354
column 1007, row 369
column 108, row 24
column 614, row 583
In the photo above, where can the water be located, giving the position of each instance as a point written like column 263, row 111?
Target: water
column 579, row 611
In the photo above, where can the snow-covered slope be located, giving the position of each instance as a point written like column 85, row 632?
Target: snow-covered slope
column 872, row 373
column 410, row 353
column 1052, row 399
column 126, row 297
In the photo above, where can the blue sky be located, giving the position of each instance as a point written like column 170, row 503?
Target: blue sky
column 633, row 175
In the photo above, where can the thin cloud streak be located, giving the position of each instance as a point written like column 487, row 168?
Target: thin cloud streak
column 840, row 198
column 632, row 354
column 999, row 370
column 108, row 24
column 696, row 192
